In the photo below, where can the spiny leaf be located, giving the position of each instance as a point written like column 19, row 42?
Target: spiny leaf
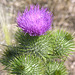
column 60, row 45
column 54, row 68
column 26, row 65
column 9, row 53
column 53, row 44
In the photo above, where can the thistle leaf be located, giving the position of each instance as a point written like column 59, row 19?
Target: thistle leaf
column 26, row 65
column 55, row 68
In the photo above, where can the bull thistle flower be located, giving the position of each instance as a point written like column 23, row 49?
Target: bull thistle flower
column 35, row 21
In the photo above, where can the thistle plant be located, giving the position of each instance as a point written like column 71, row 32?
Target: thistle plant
column 37, row 47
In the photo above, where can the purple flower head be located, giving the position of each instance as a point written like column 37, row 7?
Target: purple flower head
column 35, row 21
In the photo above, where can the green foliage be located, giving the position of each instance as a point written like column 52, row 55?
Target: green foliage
column 53, row 44
column 35, row 55
column 61, row 44
column 35, row 44
column 54, row 68
column 9, row 53
column 26, row 65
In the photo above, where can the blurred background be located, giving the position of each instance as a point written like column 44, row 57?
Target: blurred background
column 64, row 18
